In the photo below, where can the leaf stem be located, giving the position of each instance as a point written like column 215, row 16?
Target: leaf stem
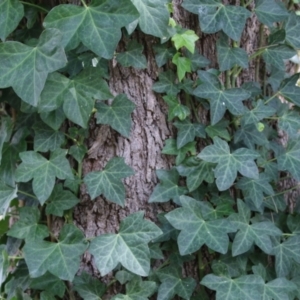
column 27, row 194
column 35, row 6
column 271, row 98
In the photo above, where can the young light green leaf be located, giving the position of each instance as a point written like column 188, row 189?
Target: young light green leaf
column 28, row 227
column 196, row 231
column 168, row 187
column 8, row 193
column 133, row 57
column 275, row 56
column 166, row 84
column 60, row 200
column 173, row 284
column 247, row 287
column 269, row 12
column 117, row 115
column 43, row 172
column 228, row 164
column 292, row 28
column 186, row 39
column 62, row 259
column 26, row 68
column 88, row 287
column 11, row 13
column 248, row 234
column 97, row 26
column 108, row 181
column 154, row 17
column 183, row 65
column 220, row 99
column 215, row 16
column 129, row 247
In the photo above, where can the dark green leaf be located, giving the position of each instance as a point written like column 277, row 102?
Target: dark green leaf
column 166, row 84
column 198, row 61
column 163, row 54
column 8, row 193
column 292, row 28
column 4, row 264
column 117, row 115
column 97, row 26
column 108, row 181
column 289, row 121
column 129, row 247
column 278, row 289
column 290, row 90
column 219, row 129
column 276, row 55
column 176, row 109
column 78, row 152
column 62, row 259
column 54, row 118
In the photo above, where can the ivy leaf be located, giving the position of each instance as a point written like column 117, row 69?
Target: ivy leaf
column 166, row 84
column 28, row 227
column 168, row 187
column 43, row 171
column 78, row 152
column 198, row 61
column 246, row 287
column 183, row 65
column 248, row 234
column 196, row 231
column 53, row 119
column 256, row 188
column 163, row 54
column 286, row 254
column 275, row 55
column 220, row 99
column 173, row 284
column 290, row 160
column 88, row 287
column 292, row 28
column 108, row 181
column 102, row 20
column 215, row 16
column 133, row 57
column 186, row 39
column 229, row 57
column 60, row 200
column 278, row 289
column 62, row 259
column 154, row 17
column 129, row 247
column 219, row 129
column 289, row 89
column 289, row 121
column 11, row 13
column 117, row 115
column 26, row 68
column 176, row 109
column 228, row 164
column 8, row 193
column 269, row 12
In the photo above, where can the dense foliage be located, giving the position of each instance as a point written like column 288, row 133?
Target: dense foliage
column 226, row 184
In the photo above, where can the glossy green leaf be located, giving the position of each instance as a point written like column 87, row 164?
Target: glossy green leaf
column 292, row 28
column 176, row 109
column 246, row 287
column 196, row 230
column 173, row 284
column 275, row 56
column 220, row 99
column 129, row 247
column 163, row 54
column 43, row 172
column 53, row 119
column 62, row 259
column 215, row 16
column 183, row 65
column 289, row 89
column 88, row 287
column 8, row 193
column 133, row 57
column 168, row 187
column 249, row 234
column 97, row 26
column 60, row 200
column 228, row 164
column 269, row 11
column 28, row 227
column 219, row 129
column 11, row 13
column 185, row 39
column 108, row 181
column 26, row 68
column 289, row 121
column 78, row 152
column 166, row 84
column 117, row 115
column 154, row 17
column 198, row 61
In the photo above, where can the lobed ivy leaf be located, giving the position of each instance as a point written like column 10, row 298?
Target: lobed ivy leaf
column 54, row 119
column 88, row 287
column 60, row 200
column 278, row 289
column 8, row 193
column 248, row 234
column 26, row 68
column 43, row 172
column 292, row 27
column 185, row 39
column 154, row 17
column 163, row 54
column 276, row 55
column 117, row 115
column 133, row 57
column 270, row 11
column 78, row 152
column 219, row 129
column 123, row 276
column 196, row 230
column 11, row 13
column 168, row 187
column 183, row 65
column 246, row 287
column 289, row 89
column 28, row 227
column 129, row 247
column 166, row 84
column 198, row 61
column 220, row 99
column 176, row 109
column 228, row 164
column 173, row 284
column 289, row 121
column 108, row 181
column 215, row 16
column 97, row 26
